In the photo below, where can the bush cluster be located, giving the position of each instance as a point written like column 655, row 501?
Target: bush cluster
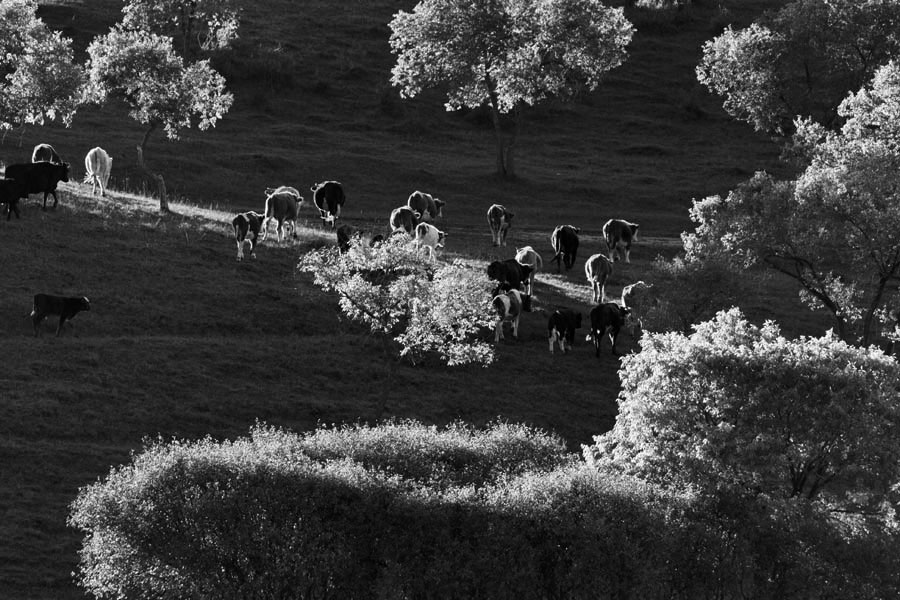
column 404, row 510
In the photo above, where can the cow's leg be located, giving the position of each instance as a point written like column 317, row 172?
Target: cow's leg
column 515, row 327
column 552, row 339
column 240, row 249
column 36, row 318
column 628, row 253
column 55, row 199
column 613, row 333
column 498, row 331
column 62, row 319
column 253, row 246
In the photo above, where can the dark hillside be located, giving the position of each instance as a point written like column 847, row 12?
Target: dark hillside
column 183, row 341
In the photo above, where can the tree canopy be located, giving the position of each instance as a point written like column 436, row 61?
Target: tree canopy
column 836, row 228
column 424, row 307
column 39, row 80
column 740, row 406
column 800, row 60
column 504, row 54
column 196, row 25
column 143, row 70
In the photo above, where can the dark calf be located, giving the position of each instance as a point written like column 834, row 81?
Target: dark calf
column 10, row 192
column 561, row 328
column 65, row 307
column 607, row 318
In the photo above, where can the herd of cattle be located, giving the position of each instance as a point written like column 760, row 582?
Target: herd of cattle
column 514, row 276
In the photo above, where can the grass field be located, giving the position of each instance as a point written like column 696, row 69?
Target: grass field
column 184, row 341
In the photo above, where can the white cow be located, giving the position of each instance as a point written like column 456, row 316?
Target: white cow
column 430, row 237
column 597, row 269
column 97, row 165
column 528, row 256
column 508, row 307
column 282, row 204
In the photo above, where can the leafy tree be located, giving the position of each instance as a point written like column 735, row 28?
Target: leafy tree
column 198, row 25
column 741, row 407
column 420, row 306
column 40, row 80
column 506, row 54
column 836, row 229
column 800, row 60
column 142, row 69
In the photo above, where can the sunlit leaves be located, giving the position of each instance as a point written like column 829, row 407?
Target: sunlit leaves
column 195, row 24
column 393, row 288
column 524, row 52
column 40, row 79
column 143, row 69
column 738, row 405
column 801, row 60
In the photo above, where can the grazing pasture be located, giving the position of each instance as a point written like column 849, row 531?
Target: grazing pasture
column 184, row 341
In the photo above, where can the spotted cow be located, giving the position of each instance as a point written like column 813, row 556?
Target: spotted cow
column 561, row 328
column 508, row 307
column 499, row 220
column 328, row 197
column 619, row 234
column 426, row 205
column 246, row 224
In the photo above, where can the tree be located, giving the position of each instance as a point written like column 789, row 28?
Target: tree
column 161, row 91
column 40, row 80
column 419, row 306
column 836, row 229
column 506, row 54
column 198, row 25
column 734, row 405
column 800, row 60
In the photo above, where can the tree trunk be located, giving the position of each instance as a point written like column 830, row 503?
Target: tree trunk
column 160, row 182
column 505, row 161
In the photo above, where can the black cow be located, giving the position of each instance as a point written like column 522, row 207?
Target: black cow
column 328, row 197
column 10, row 192
column 607, row 318
column 510, row 273
column 45, row 153
column 561, row 328
column 564, row 240
column 247, row 223
column 65, row 307
column 39, row 177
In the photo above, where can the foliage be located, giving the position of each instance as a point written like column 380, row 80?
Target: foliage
column 800, row 60
column 504, row 54
column 738, row 406
column 142, row 69
column 396, row 290
column 40, row 80
column 320, row 515
column 688, row 292
column 200, row 25
column 836, row 229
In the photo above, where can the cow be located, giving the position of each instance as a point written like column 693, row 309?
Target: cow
column 346, row 233
column 430, row 237
column 637, row 300
column 499, row 220
column 509, row 274
column 65, row 307
column 403, row 218
column 10, row 192
column 561, row 328
column 619, row 234
column 39, row 177
column 426, row 205
column 45, row 153
column 508, row 306
column 597, row 269
column 528, row 256
column 282, row 204
column 244, row 224
column 97, row 165
column 328, row 197
column 607, row 318
column 564, row 240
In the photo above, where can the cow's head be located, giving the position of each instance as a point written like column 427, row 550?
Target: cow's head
column 64, row 172
column 441, row 237
column 84, row 304
column 497, row 270
column 438, row 205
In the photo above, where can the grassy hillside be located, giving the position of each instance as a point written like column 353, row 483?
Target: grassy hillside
column 183, row 341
